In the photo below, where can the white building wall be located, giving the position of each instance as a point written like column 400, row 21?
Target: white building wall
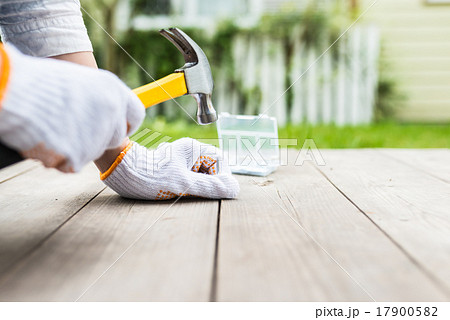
column 416, row 41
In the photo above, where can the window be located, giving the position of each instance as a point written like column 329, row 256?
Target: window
column 222, row 8
column 153, row 7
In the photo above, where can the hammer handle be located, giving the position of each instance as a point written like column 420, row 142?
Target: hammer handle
column 169, row 87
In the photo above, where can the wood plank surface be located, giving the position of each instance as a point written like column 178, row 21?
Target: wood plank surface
column 371, row 224
column 17, row 169
column 36, row 203
column 264, row 255
column 435, row 162
column 173, row 260
column 409, row 205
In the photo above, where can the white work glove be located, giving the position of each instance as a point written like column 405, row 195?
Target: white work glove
column 64, row 114
column 185, row 167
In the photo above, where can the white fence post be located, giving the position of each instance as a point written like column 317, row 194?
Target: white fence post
column 339, row 89
column 311, row 79
column 327, row 112
column 355, row 106
column 298, row 63
column 279, row 68
column 373, row 51
column 341, row 115
column 266, row 80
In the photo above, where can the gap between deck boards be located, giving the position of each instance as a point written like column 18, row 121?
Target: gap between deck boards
column 247, row 234
column 398, row 245
column 42, row 241
column 386, row 154
column 394, row 155
column 18, row 169
column 213, row 294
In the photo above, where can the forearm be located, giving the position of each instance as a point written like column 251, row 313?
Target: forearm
column 84, row 58
column 53, row 29
column 87, row 59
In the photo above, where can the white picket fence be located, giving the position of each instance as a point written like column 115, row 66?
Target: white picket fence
column 338, row 86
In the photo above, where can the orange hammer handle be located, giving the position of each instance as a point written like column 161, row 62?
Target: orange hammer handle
column 169, row 87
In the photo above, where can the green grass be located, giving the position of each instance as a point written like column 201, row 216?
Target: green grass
column 381, row 135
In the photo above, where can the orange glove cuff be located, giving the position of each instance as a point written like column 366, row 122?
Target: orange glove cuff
column 4, row 71
column 116, row 162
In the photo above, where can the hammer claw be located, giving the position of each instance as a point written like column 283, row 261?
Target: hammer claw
column 181, row 43
column 194, row 78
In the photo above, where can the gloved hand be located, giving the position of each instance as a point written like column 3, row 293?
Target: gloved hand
column 61, row 113
column 185, row 167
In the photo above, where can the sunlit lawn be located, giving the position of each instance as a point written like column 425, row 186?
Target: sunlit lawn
column 380, row 135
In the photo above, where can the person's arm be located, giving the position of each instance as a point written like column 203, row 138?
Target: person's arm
column 85, row 58
column 69, row 115
column 65, row 121
column 52, row 29
column 88, row 59
column 44, row 28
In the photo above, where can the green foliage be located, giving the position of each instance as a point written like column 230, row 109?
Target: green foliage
column 150, row 7
column 158, row 57
column 178, row 129
column 155, row 54
column 221, row 43
column 380, row 135
column 311, row 25
column 389, row 98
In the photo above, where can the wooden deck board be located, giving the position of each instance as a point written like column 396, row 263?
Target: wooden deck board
column 410, row 206
column 265, row 256
column 383, row 215
column 172, row 261
column 36, row 203
column 435, row 162
column 17, row 169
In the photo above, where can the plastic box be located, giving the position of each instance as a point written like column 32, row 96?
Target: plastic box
column 250, row 143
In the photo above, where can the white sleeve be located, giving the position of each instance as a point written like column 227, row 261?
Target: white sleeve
column 44, row 28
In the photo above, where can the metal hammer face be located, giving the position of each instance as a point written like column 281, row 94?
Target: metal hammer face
column 197, row 72
column 194, row 78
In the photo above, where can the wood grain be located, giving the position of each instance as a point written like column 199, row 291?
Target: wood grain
column 371, row 223
column 36, row 203
column 409, row 205
column 17, row 169
column 265, row 256
column 435, row 162
column 173, row 260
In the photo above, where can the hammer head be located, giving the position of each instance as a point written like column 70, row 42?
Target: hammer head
column 197, row 73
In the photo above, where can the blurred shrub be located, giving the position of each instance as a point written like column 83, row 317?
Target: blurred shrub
column 158, row 57
column 389, row 98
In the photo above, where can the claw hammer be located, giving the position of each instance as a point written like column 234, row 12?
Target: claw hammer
column 194, row 78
